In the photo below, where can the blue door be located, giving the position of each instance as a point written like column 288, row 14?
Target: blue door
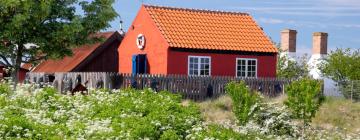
column 139, row 64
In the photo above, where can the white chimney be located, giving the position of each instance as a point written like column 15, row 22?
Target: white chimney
column 319, row 51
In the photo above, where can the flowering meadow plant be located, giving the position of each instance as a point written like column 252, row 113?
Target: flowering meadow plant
column 30, row 112
column 45, row 114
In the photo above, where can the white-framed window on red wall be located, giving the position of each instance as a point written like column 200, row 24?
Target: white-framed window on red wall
column 246, row 67
column 199, row 65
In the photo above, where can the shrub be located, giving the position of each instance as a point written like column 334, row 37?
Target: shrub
column 216, row 132
column 4, row 88
column 123, row 114
column 304, row 99
column 245, row 101
column 276, row 120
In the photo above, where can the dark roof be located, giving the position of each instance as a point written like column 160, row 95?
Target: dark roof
column 80, row 54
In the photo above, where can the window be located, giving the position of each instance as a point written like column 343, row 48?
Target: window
column 199, row 65
column 246, row 67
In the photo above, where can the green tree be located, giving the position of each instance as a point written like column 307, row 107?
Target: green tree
column 245, row 101
column 304, row 99
column 33, row 30
column 290, row 68
column 343, row 66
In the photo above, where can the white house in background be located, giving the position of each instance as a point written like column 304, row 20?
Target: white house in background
column 319, row 52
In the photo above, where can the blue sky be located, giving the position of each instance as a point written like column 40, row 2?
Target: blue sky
column 339, row 18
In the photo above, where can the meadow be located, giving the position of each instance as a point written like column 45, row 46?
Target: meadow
column 43, row 113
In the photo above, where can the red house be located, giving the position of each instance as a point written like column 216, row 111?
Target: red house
column 165, row 40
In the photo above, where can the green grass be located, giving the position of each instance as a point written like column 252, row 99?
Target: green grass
column 334, row 113
column 217, row 110
column 338, row 113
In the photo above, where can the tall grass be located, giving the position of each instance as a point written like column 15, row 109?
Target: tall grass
column 334, row 114
column 217, row 110
column 339, row 113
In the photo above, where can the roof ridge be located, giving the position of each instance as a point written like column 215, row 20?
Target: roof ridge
column 194, row 9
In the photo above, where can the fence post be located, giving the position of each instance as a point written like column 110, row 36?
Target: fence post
column 352, row 90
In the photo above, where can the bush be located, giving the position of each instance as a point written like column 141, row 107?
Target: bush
column 216, row 132
column 4, row 88
column 245, row 101
column 304, row 99
column 126, row 114
column 275, row 120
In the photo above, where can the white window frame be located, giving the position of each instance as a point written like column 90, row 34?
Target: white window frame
column 199, row 64
column 246, row 67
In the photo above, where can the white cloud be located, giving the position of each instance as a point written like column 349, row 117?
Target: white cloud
column 271, row 20
column 302, row 23
column 324, row 8
column 351, row 3
column 305, row 11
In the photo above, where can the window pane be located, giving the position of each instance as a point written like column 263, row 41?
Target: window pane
column 196, row 72
column 207, row 67
column 193, row 66
column 207, row 60
column 249, row 74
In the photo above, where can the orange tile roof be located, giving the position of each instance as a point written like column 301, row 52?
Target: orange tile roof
column 26, row 66
column 215, row 30
column 68, row 63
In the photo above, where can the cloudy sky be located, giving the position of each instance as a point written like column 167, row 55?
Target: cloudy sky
column 339, row 18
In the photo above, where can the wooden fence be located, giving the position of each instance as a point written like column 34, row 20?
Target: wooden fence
column 191, row 87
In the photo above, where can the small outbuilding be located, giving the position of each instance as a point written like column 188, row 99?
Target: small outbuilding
column 21, row 74
column 98, row 57
column 166, row 40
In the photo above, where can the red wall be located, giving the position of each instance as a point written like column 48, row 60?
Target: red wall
column 21, row 74
column 221, row 64
column 155, row 45
column 2, row 72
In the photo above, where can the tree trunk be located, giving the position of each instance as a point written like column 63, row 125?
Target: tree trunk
column 17, row 65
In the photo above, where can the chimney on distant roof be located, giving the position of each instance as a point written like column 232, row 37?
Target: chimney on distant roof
column 320, row 43
column 288, row 40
